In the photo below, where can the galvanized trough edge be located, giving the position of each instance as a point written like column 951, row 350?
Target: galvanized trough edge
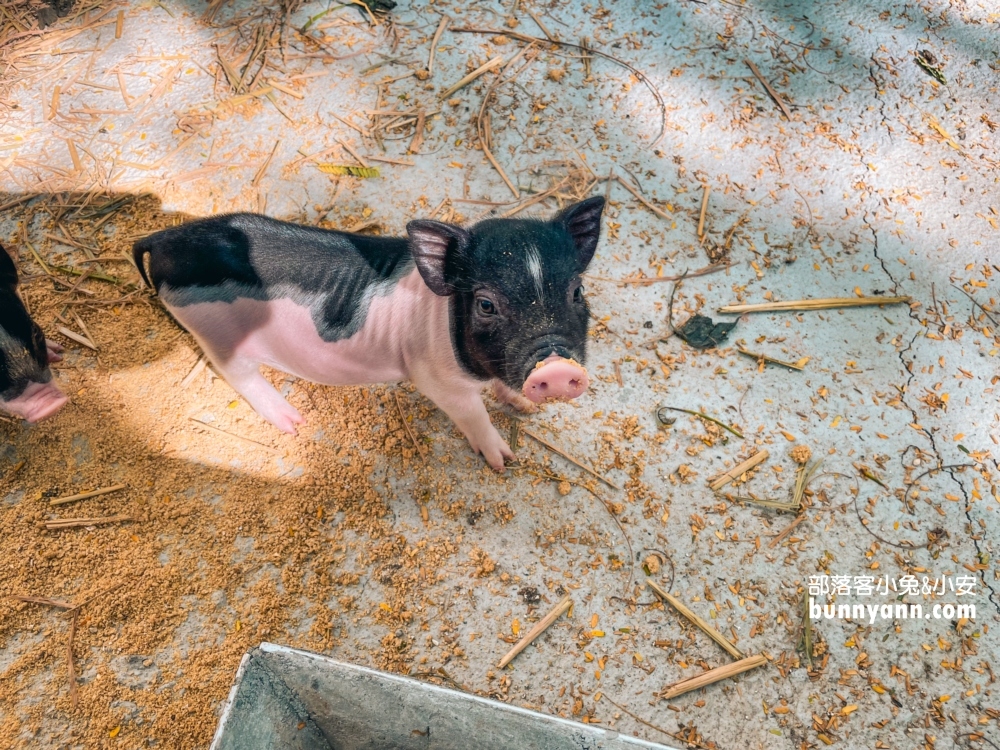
column 230, row 699
column 410, row 683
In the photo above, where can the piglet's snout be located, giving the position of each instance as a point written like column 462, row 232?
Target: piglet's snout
column 39, row 401
column 555, row 378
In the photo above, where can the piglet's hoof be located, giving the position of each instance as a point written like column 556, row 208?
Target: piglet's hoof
column 285, row 417
column 495, row 450
column 53, row 350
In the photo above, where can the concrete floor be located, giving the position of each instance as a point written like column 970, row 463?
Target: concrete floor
column 883, row 182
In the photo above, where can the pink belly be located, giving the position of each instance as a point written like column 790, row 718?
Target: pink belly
column 281, row 334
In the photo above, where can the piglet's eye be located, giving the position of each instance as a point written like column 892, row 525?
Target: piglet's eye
column 578, row 294
column 486, row 307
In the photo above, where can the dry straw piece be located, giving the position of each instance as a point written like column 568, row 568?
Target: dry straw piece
column 200, row 365
column 787, row 530
column 496, row 62
column 213, row 428
column 263, row 167
column 418, row 134
column 483, row 127
column 538, row 22
column 406, row 426
column 711, row 632
column 802, row 479
column 387, row 160
column 734, row 473
column 351, row 125
column 86, row 495
column 74, row 336
column 44, row 600
column 445, row 20
column 827, row 303
column 540, row 627
column 799, row 364
column 658, row 211
column 704, row 208
column 74, row 155
column 770, row 90
column 349, row 149
column 712, row 676
column 74, row 693
column 569, row 458
column 648, row 280
column 72, row 523
column 700, row 415
column 286, row 89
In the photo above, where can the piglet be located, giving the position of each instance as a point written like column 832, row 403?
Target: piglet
column 26, row 387
column 448, row 308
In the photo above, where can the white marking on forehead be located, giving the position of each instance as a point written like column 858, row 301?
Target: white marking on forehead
column 534, row 263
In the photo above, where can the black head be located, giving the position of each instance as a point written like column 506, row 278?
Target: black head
column 515, row 287
column 23, row 355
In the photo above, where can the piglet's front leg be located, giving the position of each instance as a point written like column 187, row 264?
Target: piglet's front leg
column 507, row 395
column 464, row 405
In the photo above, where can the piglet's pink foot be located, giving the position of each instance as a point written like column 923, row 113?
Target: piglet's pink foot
column 269, row 404
column 53, row 350
column 246, row 380
column 287, row 420
column 494, row 449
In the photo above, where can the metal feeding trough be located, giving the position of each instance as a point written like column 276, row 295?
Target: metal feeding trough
column 295, row 700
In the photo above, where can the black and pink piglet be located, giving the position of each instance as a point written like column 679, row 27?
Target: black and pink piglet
column 450, row 309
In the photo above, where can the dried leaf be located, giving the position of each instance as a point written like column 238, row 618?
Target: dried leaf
column 704, row 333
column 927, row 66
column 348, row 169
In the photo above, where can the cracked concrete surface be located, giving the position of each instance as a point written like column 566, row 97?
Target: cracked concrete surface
column 883, row 183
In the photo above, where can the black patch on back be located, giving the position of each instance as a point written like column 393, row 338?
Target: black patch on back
column 246, row 255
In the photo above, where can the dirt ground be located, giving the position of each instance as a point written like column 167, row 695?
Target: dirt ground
column 866, row 167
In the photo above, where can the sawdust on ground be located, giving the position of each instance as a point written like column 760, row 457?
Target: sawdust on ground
column 130, row 422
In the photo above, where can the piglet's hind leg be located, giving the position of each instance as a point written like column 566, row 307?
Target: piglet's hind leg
column 241, row 372
column 245, row 378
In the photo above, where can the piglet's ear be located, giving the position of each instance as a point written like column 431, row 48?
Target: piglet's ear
column 432, row 244
column 583, row 223
column 8, row 271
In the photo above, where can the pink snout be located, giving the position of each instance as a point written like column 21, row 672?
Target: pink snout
column 39, row 401
column 555, row 378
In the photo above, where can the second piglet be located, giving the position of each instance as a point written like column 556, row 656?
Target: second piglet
column 449, row 308
column 26, row 387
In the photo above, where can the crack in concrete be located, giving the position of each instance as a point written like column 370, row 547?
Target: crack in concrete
column 908, row 367
column 992, row 596
column 885, row 269
column 878, row 95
